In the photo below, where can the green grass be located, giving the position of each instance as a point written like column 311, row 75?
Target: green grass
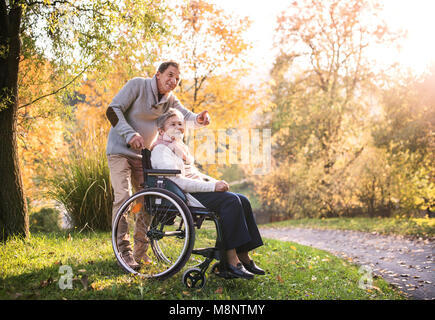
column 410, row 227
column 29, row 269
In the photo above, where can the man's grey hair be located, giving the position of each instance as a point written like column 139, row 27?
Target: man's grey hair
column 170, row 113
column 165, row 65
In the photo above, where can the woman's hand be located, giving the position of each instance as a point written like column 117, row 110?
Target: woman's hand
column 137, row 142
column 221, row 186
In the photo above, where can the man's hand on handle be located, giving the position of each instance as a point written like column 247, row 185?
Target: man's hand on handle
column 137, row 142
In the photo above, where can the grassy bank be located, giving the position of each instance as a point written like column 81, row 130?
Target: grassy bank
column 30, row 269
column 411, row 227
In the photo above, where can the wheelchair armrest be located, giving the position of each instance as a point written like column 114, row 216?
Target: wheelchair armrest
column 161, row 172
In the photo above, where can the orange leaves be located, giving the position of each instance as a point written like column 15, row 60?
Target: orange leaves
column 91, row 113
column 35, row 81
column 136, row 208
column 329, row 29
column 43, row 141
column 209, row 41
column 40, row 131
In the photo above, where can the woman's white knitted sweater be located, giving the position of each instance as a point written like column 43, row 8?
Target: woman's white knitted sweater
column 190, row 179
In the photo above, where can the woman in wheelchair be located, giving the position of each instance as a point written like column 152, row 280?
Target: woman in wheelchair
column 240, row 232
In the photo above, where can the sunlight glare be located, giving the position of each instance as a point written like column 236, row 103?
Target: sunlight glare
column 415, row 17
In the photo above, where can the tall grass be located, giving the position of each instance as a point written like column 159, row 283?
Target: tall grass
column 82, row 183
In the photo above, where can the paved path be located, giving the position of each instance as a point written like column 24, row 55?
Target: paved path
column 408, row 264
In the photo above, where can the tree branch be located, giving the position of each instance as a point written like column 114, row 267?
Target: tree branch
column 205, row 77
column 54, row 3
column 57, row 90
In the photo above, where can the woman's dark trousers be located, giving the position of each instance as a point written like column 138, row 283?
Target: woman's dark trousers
column 240, row 230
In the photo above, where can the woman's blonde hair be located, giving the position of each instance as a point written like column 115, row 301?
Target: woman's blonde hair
column 168, row 114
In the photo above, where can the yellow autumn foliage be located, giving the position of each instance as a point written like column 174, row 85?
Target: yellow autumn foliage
column 40, row 130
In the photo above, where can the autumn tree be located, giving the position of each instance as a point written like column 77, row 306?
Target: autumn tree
column 404, row 132
column 207, row 41
column 324, row 50
column 75, row 37
column 321, row 80
column 40, row 129
column 210, row 46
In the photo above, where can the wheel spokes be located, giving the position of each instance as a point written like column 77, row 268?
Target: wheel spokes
column 160, row 221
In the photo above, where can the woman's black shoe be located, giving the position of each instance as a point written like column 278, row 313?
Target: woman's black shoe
column 239, row 271
column 252, row 267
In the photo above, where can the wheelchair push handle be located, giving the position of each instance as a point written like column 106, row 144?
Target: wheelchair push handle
column 142, row 151
column 145, row 156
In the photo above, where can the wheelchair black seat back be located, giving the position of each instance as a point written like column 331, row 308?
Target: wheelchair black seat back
column 159, row 215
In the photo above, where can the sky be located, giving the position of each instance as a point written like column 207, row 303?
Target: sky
column 416, row 17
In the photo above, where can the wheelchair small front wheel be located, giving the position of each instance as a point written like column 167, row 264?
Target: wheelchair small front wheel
column 163, row 231
column 194, row 278
column 215, row 268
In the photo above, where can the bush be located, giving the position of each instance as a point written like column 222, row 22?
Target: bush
column 369, row 182
column 82, row 185
column 45, row 220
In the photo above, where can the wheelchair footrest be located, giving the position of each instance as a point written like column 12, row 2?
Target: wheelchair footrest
column 212, row 253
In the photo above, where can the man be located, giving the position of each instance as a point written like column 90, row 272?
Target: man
column 132, row 114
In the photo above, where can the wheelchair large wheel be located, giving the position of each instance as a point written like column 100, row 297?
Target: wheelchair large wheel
column 161, row 219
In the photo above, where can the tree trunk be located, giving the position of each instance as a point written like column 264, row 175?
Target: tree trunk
column 13, row 207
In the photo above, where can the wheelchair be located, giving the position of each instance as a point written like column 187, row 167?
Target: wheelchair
column 171, row 230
